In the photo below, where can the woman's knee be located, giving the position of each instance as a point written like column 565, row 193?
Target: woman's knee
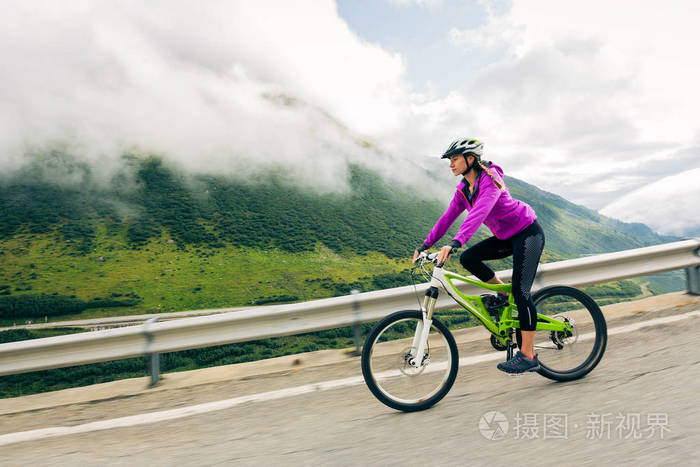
column 474, row 264
column 468, row 258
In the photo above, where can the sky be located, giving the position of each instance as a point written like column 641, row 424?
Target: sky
column 595, row 101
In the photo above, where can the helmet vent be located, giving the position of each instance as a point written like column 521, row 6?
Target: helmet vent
column 463, row 146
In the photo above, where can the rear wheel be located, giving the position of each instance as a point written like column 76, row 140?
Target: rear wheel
column 571, row 355
column 390, row 376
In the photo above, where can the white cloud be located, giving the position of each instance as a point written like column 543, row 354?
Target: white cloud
column 668, row 205
column 423, row 3
column 586, row 95
column 589, row 100
column 199, row 84
column 500, row 30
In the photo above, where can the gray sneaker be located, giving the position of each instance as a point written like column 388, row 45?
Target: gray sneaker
column 519, row 364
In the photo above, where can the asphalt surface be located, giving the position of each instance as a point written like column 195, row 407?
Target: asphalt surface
column 639, row 406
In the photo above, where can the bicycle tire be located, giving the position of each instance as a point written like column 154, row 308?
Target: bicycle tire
column 375, row 379
column 588, row 313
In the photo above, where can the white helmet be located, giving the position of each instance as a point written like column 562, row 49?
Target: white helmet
column 465, row 146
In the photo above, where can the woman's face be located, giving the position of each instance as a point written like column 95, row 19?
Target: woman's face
column 458, row 163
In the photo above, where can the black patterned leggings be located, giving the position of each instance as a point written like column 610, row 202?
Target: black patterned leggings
column 526, row 248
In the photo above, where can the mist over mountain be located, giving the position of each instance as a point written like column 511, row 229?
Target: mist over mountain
column 147, row 195
column 100, row 79
column 671, row 199
column 163, row 239
column 243, row 88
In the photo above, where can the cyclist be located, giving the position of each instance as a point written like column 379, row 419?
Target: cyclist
column 484, row 195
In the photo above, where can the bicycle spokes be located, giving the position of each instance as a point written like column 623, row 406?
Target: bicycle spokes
column 398, row 372
column 576, row 347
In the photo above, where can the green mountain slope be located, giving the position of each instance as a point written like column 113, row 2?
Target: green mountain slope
column 154, row 239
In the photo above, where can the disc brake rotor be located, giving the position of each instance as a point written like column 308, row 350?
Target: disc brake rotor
column 563, row 339
column 406, row 368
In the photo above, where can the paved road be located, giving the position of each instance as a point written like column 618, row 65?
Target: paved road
column 646, row 386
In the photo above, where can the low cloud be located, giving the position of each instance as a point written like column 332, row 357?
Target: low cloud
column 231, row 88
column 592, row 101
column 667, row 205
column 582, row 100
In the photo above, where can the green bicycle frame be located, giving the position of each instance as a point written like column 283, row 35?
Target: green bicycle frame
column 442, row 278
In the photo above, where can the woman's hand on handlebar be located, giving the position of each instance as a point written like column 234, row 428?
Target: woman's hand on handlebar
column 415, row 256
column 418, row 251
column 444, row 254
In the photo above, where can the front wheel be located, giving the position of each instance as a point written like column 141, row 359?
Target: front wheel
column 566, row 356
column 386, row 366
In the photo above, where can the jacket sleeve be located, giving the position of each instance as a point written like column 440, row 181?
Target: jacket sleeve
column 443, row 224
column 482, row 207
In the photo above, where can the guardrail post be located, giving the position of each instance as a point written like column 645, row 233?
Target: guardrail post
column 154, row 363
column 356, row 326
column 692, row 275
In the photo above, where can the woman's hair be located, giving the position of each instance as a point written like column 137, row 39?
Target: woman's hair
column 486, row 169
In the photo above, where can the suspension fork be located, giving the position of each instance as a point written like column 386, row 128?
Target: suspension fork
column 420, row 338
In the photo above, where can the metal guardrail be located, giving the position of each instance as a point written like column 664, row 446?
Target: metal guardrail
column 281, row 320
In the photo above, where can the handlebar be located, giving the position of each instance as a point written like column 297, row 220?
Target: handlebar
column 424, row 256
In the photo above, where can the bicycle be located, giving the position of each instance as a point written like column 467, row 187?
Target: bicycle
column 410, row 358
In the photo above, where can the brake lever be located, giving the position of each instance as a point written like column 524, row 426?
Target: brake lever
column 422, row 257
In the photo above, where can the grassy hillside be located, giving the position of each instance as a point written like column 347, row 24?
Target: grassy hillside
column 153, row 239
column 167, row 278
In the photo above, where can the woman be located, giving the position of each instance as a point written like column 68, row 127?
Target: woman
column 482, row 192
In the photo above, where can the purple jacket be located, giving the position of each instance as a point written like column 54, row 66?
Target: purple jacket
column 503, row 215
